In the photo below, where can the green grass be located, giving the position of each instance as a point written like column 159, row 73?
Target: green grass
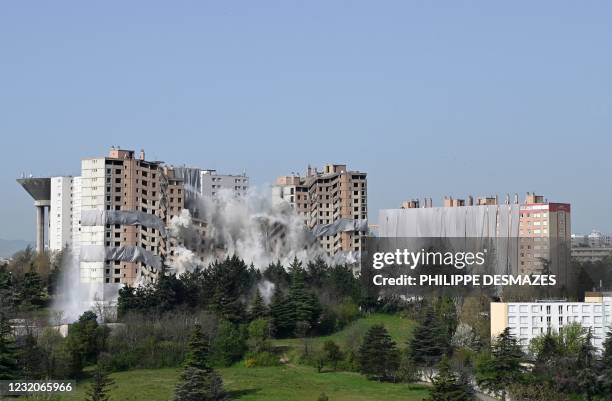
column 399, row 328
column 289, row 382
column 283, row 383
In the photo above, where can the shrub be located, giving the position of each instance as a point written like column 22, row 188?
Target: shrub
column 261, row 359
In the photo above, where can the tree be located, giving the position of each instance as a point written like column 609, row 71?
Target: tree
column 277, row 274
column 99, row 386
column 535, row 391
column 323, row 397
column 199, row 382
column 606, row 362
column 447, row 386
column 429, row 342
column 332, row 352
column 32, row 292
column 84, row 341
column 30, row 358
column 502, row 367
column 8, row 352
column 446, row 313
column 198, row 350
column 587, row 371
column 228, row 281
column 378, row 355
column 281, row 314
column 258, row 332
column 304, row 306
column 258, row 308
column 228, row 344
column 407, row 371
column 200, row 385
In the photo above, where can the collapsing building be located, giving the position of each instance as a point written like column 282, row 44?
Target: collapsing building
column 125, row 218
column 333, row 204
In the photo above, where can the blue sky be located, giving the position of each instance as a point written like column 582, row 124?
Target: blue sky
column 430, row 98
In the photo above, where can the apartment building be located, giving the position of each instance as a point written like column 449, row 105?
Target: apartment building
column 528, row 320
column 588, row 254
column 592, row 247
column 126, row 203
column 211, row 183
column 64, row 212
column 544, row 232
column 332, row 204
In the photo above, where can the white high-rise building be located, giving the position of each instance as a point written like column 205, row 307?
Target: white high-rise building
column 76, row 215
column 63, row 217
column 92, row 199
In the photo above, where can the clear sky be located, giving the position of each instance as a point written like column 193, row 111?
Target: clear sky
column 428, row 97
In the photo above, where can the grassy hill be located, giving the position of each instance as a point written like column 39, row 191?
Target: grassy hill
column 289, row 382
column 399, row 328
column 284, row 383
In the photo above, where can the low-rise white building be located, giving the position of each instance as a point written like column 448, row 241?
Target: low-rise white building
column 528, row 320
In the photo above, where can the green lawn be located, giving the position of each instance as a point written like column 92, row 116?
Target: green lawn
column 399, row 328
column 284, row 383
column 289, row 382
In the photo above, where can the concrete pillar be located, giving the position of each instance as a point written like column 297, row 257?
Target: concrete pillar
column 40, row 228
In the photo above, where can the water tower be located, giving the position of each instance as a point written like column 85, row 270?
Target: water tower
column 40, row 190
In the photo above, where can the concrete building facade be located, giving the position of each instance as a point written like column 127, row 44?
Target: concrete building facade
column 143, row 197
column 211, row 183
column 64, row 212
column 528, row 320
column 544, row 232
column 541, row 229
column 591, row 247
column 332, row 203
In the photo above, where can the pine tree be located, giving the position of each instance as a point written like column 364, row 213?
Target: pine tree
column 281, row 313
column 32, row 292
column 198, row 354
column 298, row 296
column 503, row 367
column 258, row 308
column 277, row 274
column 447, row 386
column 430, row 341
column 199, row 382
column 606, row 362
column 378, row 355
column 8, row 351
column 99, row 386
column 587, row 371
column 199, row 385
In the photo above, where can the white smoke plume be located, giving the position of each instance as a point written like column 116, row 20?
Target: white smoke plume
column 251, row 227
column 74, row 297
column 266, row 289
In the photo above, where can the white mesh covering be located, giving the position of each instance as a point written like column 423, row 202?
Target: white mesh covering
column 498, row 223
column 100, row 253
column 341, row 225
column 490, row 221
column 98, row 217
